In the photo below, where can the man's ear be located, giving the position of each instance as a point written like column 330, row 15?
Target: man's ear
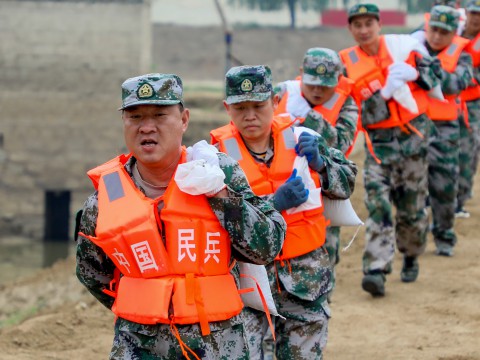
column 226, row 106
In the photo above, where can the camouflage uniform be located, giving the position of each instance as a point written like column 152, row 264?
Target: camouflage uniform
column 299, row 285
column 400, row 180
column 443, row 149
column 341, row 135
column 469, row 137
column 256, row 231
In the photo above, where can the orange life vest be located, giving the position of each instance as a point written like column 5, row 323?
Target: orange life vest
column 369, row 74
column 185, row 280
column 306, row 229
column 448, row 110
column 473, row 48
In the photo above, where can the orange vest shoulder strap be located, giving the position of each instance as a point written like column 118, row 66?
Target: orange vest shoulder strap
column 473, row 48
column 450, row 55
column 95, row 173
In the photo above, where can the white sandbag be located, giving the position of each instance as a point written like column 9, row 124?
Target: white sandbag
column 340, row 212
column 253, row 299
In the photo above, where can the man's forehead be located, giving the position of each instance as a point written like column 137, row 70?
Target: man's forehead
column 364, row 19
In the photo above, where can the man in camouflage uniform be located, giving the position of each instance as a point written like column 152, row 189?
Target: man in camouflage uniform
column 321, row 87
column 443, row 149
column 395, row 168
column 470, row 136
column 299, row 284
column 154, row 121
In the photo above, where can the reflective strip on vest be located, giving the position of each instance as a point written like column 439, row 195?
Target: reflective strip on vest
column 476, row 44
column 353, row 56
column 232, row 148
column 289, row 138
column 451, row 49
column 114, row 187
column 331, row 102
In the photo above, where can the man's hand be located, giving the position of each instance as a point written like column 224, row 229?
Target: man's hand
column 308, row 146
column 291, row 194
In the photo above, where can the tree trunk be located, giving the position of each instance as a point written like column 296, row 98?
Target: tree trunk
column 291, row 8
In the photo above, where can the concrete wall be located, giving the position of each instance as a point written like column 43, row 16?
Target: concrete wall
column 61, row 66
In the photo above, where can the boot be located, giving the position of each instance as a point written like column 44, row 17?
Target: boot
column 374, row 283
column 409, row 271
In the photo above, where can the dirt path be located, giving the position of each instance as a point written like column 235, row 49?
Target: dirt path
column 437, row 317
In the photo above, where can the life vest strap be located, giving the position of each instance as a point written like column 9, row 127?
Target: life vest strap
column 264, row 303
column 183, row 347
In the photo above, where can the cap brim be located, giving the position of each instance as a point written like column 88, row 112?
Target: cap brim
column 375, row 15
column 441, row 25
column 150, row 102
column 234, row 99
column 330, row 81
column 473, row 9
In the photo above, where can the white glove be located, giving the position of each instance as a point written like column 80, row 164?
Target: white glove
column 403, row 71
column 393, row 83
column 197, row 177
column 203, row 150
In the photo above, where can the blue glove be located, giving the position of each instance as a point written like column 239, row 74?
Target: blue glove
column 308, row 146
column 291, row 194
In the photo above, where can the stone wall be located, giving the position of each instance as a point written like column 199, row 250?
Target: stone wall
column 61, row 66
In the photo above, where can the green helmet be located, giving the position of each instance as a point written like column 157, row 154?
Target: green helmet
column 363, row 9
column 248, row 83
column 321, row 66
column 154, row 89
column 444, row 17
column 473, row 6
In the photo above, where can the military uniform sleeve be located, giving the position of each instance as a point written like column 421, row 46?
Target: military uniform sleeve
column 341, row 135
column 427, row 79
column 94, row 268
column 338, row 176
column 461, row 78
column 256, row 229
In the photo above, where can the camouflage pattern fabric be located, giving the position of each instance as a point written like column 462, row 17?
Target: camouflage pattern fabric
column 443, row 171
column 443, row 157
column 256, row 230
column 402, row 184
column 153, row 89
column 399, row 181
column 300, row 285
column 248, row 83
column 304, row 332
column 444, row 17
column 322, row 67
column 158, row 342
column 468, row 155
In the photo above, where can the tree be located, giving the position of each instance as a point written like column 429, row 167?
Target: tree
column 272, row 5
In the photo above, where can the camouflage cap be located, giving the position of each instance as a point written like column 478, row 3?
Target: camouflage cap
column 248, row 83
column 321, row 66
column 444, row 17
column 155, row 89
column 473, row 6
column 363, row 9
column 451, row 3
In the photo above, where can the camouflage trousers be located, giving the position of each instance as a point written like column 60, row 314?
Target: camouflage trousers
column 466, row 156
column 403, row 184
column 469, row 152
column 332, row 244
column 443, row 173
column 302, row 337
column 155, row 342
